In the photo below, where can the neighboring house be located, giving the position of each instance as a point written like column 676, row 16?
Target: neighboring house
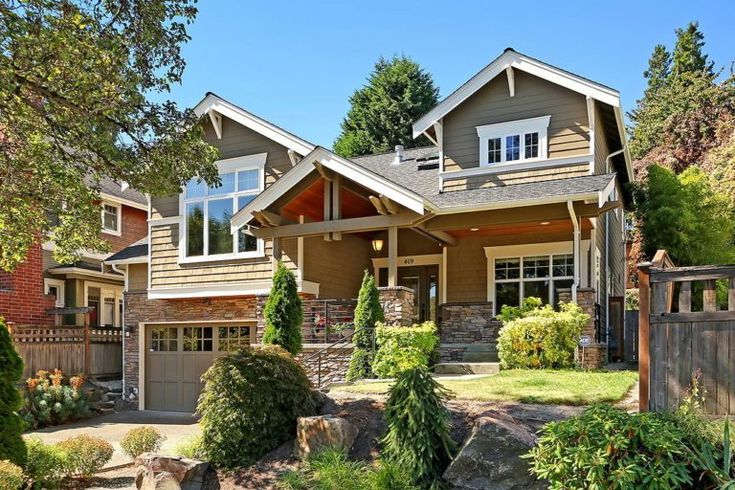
column 40, row 283
column 521, row 195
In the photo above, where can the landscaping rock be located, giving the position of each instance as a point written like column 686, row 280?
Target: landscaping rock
column 490, row 458
column 319, row 432
column 189, row 474
column 147, row 480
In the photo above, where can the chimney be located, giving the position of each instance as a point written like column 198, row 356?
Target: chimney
column 399, row 155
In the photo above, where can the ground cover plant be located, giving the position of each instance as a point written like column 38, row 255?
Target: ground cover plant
column 50, row 398
column 401, row 348
column 250, row 403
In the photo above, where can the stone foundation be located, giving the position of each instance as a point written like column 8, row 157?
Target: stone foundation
column 595, row 355
column 397, row 304
column 468, row 332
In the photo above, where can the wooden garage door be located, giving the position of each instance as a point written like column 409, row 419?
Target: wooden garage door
column 178, row 355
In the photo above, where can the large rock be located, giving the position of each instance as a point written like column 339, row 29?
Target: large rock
column 145, row 479
column 189, row 474
column 491, row 457
column 322, row 431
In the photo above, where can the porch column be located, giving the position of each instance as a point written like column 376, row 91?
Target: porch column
column 276, row 255
column 576, row 250
column 392, row 256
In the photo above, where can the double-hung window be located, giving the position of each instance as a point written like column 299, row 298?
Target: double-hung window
column 513, row 141
column 111, row 219
column 540, row 276
column 207, row 211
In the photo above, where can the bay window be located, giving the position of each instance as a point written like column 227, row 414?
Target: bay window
column 513, row 141
column 209, row 209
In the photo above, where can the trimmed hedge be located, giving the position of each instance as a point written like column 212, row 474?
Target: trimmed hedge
column 401, row 348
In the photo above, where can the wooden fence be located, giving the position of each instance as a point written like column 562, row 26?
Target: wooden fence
column 93, row 351
column 685, row 329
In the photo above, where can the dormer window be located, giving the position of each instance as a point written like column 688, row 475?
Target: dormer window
column 513, row 141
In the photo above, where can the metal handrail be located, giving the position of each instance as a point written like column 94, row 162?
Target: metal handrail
column 318, row 355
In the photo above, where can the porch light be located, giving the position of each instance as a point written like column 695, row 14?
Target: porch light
column 474, row 229
column 544, row 223
column 377, row 244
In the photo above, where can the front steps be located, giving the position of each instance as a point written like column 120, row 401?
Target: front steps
column 467, row 368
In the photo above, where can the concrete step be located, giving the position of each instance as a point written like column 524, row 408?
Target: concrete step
column 467, row 368
column 105, row 405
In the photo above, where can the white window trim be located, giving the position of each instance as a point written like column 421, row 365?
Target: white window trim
column 529, row 250
column 248, row 162
column 520, row 127
column 60, row 286
column 106, row 291
column 118, row 206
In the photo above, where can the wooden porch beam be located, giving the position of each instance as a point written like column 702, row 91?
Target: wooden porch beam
column 324, row 172
column 216, row 119
column 337, row 203
column 392, row 256
column 350, row 225
column 390, row 205
column 441, row 236
column 327, row 202
column 378, row 203
column 268, row 218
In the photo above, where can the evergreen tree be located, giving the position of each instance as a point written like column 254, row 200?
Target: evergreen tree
column 688, row 54
column 12, row 447
column 283, row 312
column 368, row 312
column 657, row 74
column 397, row 93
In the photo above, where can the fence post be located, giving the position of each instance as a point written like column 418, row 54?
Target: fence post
column 644, row 312
column 87, row 345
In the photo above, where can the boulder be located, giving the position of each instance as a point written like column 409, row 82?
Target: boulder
column 323, row 431
column 189, row 474
column 490, row 458
column 147, row 480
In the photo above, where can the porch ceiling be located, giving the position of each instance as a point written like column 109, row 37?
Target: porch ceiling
column 310, row 203
column 549, row 227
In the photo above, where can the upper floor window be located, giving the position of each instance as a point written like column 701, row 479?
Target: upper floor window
column 208, row 210
column 111, row 218
column 513, row 141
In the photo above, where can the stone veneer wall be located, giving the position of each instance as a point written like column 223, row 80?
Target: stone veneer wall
column 595, row 355
column 467, row 327
column 397, row 304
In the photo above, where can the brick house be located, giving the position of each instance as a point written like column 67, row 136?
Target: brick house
column 521, row 194
column 40, row 283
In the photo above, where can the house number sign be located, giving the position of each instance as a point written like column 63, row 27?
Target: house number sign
column 408, row 261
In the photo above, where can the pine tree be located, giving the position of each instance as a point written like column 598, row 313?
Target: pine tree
column 283, row 312
column 688, row 53
column 12, row 447
column 368, row 312
column 381, row 114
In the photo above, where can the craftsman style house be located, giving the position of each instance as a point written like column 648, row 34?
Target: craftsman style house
column 521, row 194
column 40, row 284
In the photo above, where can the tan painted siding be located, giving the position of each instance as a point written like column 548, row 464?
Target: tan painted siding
column 337, row 265
column 568, row 129
column 409, row 243
column 516, row 178
column 601, row 147
column 137, row 277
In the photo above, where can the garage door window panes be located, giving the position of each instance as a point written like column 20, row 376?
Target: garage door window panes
column 540, row 276
column 233, row 338
column 198, row 339
column 164, row 339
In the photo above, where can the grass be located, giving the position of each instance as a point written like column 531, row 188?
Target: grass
column 558, row 387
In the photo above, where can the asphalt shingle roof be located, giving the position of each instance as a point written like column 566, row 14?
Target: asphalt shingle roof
column 115, row 189
column 137, row 249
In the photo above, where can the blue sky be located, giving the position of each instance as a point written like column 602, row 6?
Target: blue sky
column 296, row 63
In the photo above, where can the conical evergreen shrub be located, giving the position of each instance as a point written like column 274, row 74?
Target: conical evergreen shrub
column 283, row 312
column 12, row 447
column 368, row 312
column 418, row 436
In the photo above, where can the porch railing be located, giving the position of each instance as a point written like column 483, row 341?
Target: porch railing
column 329, row 365
column 327, row 320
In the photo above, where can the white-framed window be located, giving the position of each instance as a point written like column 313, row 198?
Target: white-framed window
column 55, row 288
column 207, row 211
column 514, row 141
column 111, row 218
column 540, row 276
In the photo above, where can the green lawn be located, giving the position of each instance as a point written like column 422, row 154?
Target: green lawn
column 563, row 387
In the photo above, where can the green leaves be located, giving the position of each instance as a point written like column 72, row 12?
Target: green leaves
column 77, row 83
column 283, row 312
column 401, row 348
column 397, row 93
column 368, row 312
column 12, row 447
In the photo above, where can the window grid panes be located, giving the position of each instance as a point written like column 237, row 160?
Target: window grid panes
column 494, row 150
column 540, row 276
column 109, row 217
column 512, row 148
column 198, row 339
column 164, row 339
column 209, row 210
column 531, row 145
column 233, row 338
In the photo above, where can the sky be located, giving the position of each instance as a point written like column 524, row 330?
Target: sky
column 296, row 63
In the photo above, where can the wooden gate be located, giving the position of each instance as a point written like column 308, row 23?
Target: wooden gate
column 686, row 327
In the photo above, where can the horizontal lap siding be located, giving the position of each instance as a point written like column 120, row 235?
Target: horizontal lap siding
column 337, row 265
column 523, row 177
column 568, row 129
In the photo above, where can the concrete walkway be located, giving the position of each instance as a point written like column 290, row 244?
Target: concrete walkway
column 177, row 427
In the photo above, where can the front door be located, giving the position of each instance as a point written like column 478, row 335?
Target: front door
column 424, row 281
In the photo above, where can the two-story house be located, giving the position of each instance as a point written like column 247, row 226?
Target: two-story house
column 521, row 194
column 40, row 284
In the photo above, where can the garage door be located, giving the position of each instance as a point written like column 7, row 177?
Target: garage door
column 178, row 355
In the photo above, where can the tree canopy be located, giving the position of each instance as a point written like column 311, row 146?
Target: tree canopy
column 78, row 83
column 397, row 93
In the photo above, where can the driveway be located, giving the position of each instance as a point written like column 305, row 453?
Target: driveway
column 177, row 427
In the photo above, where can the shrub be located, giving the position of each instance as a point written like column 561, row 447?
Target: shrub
column 283, row 312
column 606, row 447
column 542, row 338
column 402, row 348
column 11, row 476
column 715, row 461
column 85, row 454
column 418, row 437
column 12, row 447
column 45, row 465
column 53, row 399
column 141, row 440
column 190, row 448
column 250, row 403
column 368, row 312
column 530, row 305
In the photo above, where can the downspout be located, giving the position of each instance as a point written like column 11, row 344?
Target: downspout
column 608, row 165
column 117, row 269
column 575, row 225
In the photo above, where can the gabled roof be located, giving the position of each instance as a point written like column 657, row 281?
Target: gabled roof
column 213, row 102
column 115, row 191
column 132, row 254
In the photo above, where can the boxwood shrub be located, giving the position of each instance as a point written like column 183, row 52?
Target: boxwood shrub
column 250, row 403
column 401, row 348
